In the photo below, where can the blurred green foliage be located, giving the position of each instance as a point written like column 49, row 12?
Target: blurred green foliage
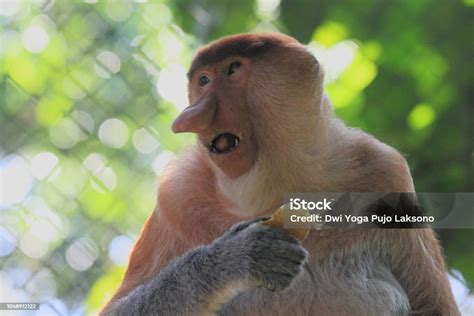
column 89, row 90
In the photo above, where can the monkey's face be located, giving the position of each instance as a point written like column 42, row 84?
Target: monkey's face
column 252, row 96
column 219, row 114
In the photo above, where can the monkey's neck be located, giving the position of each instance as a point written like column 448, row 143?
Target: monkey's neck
column 300, row 166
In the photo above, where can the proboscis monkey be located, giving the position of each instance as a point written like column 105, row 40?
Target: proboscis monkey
column 265, row 127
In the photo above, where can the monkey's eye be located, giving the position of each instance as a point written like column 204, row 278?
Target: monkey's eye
column 203, row 80
column 233, row 67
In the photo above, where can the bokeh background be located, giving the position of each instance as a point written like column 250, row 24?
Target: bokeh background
column 89, row 90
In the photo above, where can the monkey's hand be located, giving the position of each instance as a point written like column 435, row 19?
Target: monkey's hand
column 202, row 280
column 259, row 255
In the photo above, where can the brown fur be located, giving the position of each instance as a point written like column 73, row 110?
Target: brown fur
column 244, row 45
column 296, row 145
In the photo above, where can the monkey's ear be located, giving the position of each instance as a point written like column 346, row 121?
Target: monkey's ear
column 197, row 117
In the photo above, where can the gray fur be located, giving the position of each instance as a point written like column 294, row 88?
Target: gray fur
column 248, row 256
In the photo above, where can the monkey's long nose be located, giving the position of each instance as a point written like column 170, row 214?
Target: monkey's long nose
column 197, row 117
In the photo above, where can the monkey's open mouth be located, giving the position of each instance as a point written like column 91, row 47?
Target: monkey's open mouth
column 224, row 143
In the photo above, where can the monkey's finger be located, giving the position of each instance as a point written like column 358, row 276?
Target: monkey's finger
column 292, row 252
column 242, row 225
column 271, row 234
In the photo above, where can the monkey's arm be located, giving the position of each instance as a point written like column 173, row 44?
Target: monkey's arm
column 414, row 255
column 205, row 278
column 184, row 286
column 420, row 269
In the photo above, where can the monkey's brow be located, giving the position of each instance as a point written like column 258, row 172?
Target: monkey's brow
column 220, row 50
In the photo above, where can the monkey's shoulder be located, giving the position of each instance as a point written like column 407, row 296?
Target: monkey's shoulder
column 187, row 191
column 383, row 168
column 187, row 174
